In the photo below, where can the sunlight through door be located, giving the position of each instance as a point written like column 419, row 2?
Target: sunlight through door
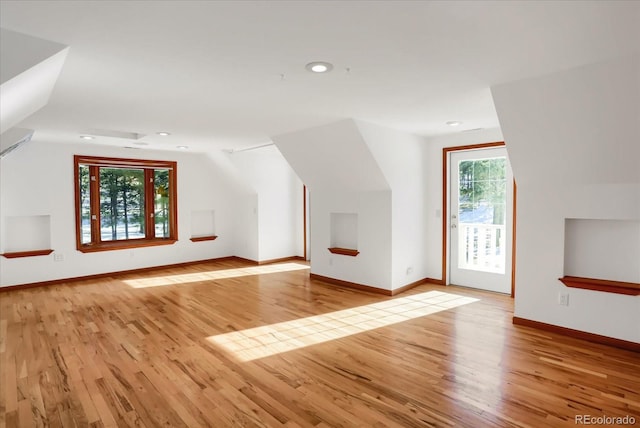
column 264, row 341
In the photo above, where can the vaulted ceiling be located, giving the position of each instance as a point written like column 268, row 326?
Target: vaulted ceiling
column 223, row 75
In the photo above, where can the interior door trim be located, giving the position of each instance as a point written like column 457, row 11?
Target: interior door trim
column 445, row 209
column 304, row 221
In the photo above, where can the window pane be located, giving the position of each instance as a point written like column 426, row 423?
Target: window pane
column 481, row 214
column 161, row 205
column 498, row 168
column 85, row 204
column 481, row 192
column 121, row 204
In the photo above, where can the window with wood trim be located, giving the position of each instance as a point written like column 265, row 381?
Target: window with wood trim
column 124, row 203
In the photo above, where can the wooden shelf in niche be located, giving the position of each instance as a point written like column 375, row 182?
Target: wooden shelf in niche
column 617, row 287
column 203, row 226
column 344, row 251
column 32, row 253
column 27, row 236
column 203, row 238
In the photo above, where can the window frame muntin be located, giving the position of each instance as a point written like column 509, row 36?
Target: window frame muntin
column 149, row 166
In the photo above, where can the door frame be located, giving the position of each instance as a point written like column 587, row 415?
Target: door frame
column 445, row 209
column 305, row 223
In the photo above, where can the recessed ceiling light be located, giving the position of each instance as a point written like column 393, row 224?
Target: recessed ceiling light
column 319, row 67
column 182, row 147
column 454, row 123
column 163, row 134
column 86, row 137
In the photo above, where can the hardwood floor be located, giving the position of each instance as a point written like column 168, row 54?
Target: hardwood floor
column 228, row 344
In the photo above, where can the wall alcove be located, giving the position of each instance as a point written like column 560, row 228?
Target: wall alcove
column 27, row 236
column 602, row 255
column 344, row 234
column 203, row 226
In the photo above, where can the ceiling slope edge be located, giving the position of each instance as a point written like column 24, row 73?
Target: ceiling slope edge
column 30, row 68
column 333, row 157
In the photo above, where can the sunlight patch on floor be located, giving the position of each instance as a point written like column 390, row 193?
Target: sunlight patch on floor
column 272, row 339
column 159, row 281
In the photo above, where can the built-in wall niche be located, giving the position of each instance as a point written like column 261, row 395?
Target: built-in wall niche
column 344, row 234
column 26, row 236
column 203, row 225
column 602, row 255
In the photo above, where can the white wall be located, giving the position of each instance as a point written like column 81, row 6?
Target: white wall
column 244, row 204
column 400, row 157
column 37, row 179
column 377, row 173
column 573, row 140
column 343, row 177
column 433, row 190
column 372, row 266
column 277, row 207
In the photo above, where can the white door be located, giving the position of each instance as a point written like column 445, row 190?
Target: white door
column 480, row 219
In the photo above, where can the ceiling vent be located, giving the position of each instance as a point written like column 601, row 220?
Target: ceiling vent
column 113, row 134
column 14, row 138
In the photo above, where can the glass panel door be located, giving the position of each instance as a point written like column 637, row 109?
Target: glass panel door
column 481, row 191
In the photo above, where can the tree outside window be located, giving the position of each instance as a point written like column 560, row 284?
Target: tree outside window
column 124, row 203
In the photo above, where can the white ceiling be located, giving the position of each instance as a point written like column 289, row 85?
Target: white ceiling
column 232, row 74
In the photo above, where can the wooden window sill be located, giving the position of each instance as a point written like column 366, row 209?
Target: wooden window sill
column 33, row 253
column 125, row 245
column 203, row 238
column 344, row 251
column 617, row 287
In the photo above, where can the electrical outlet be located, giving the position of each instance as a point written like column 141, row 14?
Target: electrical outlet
column 409, row 270
column 58, row 257
column 563, row 299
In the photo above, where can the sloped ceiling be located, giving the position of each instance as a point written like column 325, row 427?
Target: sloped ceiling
column 575, row 126
column 29, row 70
column 231, row 74
column 323, row 158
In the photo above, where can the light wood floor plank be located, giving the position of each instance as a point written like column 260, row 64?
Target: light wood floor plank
column 226, row 343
